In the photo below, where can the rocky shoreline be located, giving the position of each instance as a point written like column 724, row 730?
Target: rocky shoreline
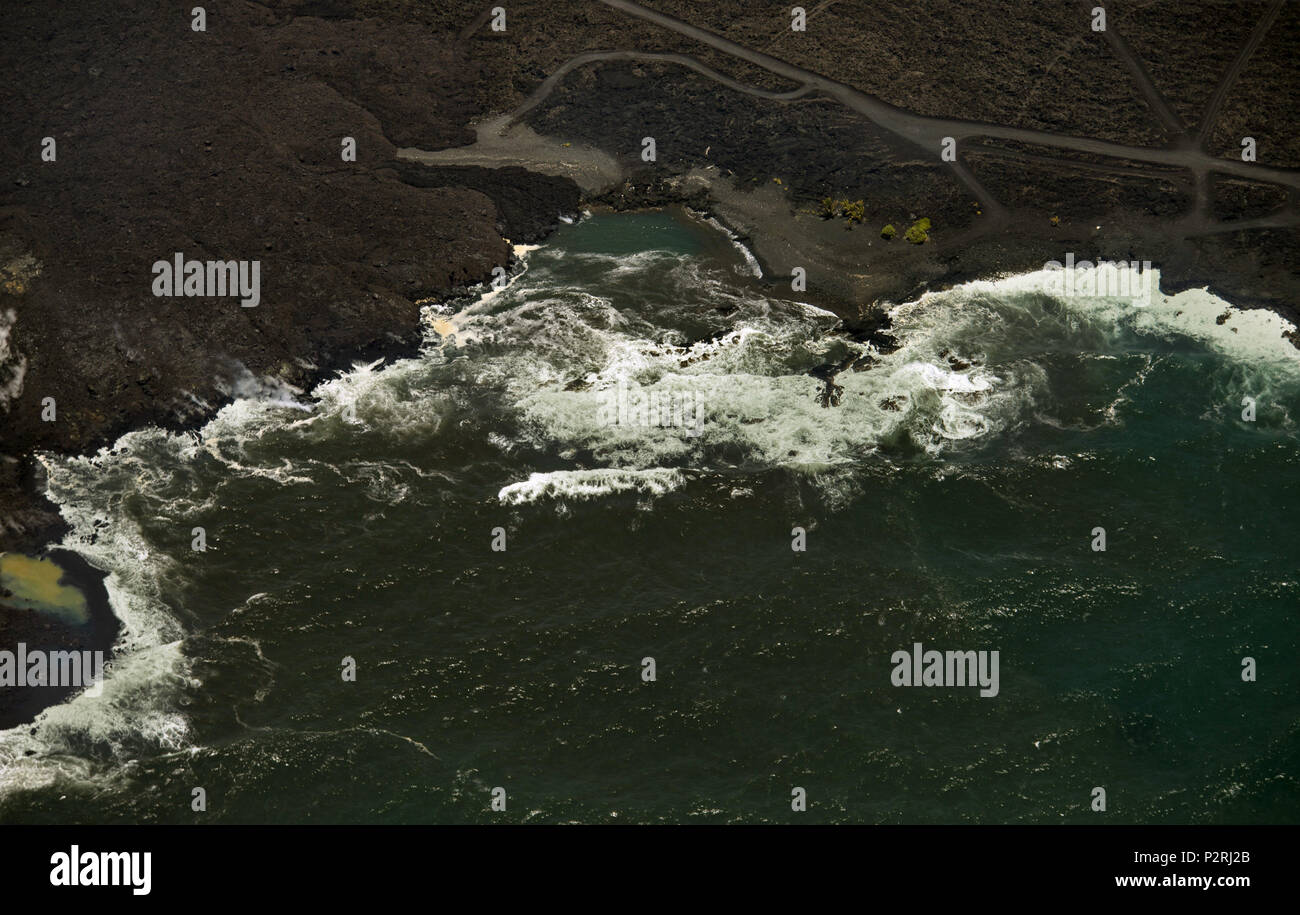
column 226, row 144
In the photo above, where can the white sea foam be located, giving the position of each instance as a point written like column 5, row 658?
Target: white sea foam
column 589, row 484
column 760, row 404
column 87, row 738
column 1247, row 334
column 394, row 399
column 1259, row 360
column 452, row 329
column 936, row 392
column 751, row 262
column 136, row 711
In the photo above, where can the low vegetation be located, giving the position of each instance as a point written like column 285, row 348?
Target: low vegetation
column 919, row 232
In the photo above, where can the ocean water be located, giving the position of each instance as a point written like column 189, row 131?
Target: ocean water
column 949, row 498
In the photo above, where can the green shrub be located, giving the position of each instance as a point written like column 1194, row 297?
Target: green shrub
column 888, row 232
column 855, row 211
column 919, row 232
column 827, row 208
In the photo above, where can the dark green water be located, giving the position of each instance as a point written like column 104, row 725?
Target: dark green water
column 950, row 503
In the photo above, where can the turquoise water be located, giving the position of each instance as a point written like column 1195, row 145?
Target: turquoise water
column 948, row 499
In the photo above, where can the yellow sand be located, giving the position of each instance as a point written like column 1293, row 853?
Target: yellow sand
column 35, row 586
